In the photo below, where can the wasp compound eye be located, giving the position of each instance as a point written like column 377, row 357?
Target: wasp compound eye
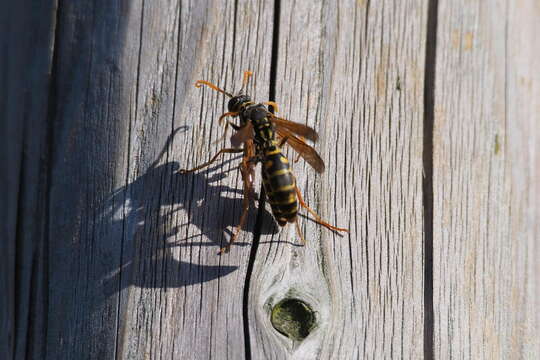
column 236, row 102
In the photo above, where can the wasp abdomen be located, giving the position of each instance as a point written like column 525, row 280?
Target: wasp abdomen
column 279, row 185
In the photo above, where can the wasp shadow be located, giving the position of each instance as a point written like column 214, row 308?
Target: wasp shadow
column 145, row 213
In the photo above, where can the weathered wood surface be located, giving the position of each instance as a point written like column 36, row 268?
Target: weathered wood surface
column 133, row 265
column 485, row 180
column 26, row 54
column 354, row 71
column 110, row 253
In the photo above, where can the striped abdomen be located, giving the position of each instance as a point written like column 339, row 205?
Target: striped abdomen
column 279, row 185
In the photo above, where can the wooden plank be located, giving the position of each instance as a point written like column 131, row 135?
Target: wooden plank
column 484, row 180
column 354, row 71
column 26, row 38
column 523, row 174
column 134, row 271
column 523, row 91
column 191, row 307
column 93, row 78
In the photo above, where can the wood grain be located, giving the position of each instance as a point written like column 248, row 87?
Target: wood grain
column 26, row 42
column 134, row 271
column 110, row 253
column 523, row 172
column 353, row 71
column 485, row 180
column 188, row 301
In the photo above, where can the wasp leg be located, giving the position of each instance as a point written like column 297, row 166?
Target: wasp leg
column 222, row 117
column 222, row 137
column 299, row 232
column 222, row 151
column 283, row 141
column 252, row 161
column 272, row 104
column 317, row 217
column 245, row 209
column 246, row 168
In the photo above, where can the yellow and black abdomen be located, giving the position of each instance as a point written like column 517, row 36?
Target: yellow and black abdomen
column 279, row 185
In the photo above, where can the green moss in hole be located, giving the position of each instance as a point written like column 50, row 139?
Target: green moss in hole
column 293, row 318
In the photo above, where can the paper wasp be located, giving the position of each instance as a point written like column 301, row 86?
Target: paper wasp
column 262, row 135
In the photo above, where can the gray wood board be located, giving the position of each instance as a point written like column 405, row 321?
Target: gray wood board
column 94, row 78
column 26, row 43
column 485, row 180
column 187, row 299
column 353, row 71
column 134, row 271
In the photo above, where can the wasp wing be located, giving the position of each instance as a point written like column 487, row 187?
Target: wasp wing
column 298, row 129
column 241, row 136
column 304, row 150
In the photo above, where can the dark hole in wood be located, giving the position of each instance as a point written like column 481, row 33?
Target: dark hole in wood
column 293, row 318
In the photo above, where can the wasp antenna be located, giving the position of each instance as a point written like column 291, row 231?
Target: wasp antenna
column 247, row 75
column 200, row 83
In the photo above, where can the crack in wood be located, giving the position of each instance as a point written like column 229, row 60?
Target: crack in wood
column 427, row 181
column 260, row 212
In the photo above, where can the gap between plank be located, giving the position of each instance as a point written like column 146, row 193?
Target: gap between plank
column 427, row 181
column 38, row 347
column 258, row 222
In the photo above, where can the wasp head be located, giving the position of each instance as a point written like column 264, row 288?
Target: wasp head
column 235, row 104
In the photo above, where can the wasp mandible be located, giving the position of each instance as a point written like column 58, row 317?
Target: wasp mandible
column 260, row 137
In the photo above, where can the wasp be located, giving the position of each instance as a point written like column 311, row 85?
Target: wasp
column 260, row 137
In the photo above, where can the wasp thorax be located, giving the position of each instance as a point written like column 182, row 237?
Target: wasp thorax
column 235, row 104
